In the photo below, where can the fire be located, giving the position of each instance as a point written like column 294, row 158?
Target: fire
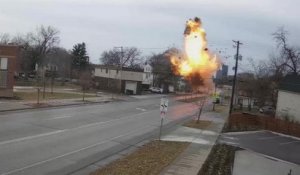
column 196, row 64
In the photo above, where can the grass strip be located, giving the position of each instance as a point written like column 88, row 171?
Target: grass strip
column 48, row 95
column 150, row 159
column 202, row 124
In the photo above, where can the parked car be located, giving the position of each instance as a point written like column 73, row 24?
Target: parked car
column 156, row 90
column 267, row 110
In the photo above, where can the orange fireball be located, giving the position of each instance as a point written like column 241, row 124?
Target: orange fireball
column 196, row 59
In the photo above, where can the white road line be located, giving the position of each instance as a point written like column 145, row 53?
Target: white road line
column 60, row 131
column 285, row 143
column 244, row 132
column 268, row 138
column 231, row 138
column 31, row 137
column 100, row 123
column 59, row 117
column 69, row 153
column 141, row 109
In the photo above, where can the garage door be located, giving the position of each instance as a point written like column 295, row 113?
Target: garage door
column 131, row 86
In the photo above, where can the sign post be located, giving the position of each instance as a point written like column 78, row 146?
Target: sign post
column 163, row 112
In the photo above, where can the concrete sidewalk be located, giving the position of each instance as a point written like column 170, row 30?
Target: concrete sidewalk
column 202, row 141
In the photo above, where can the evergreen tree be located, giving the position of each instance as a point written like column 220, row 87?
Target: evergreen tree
column 80, row 57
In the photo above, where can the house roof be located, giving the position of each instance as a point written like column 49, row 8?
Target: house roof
column 290, row 83
column 117, row 67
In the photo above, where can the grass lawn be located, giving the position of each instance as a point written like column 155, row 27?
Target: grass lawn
column 190, row 100
column 150, row 159
column 202, row 124
column 48, row 95
column 221, row 109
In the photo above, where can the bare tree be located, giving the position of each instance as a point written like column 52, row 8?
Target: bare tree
column 41, row 43
column 290, row 55
column 4, row 38
column 127, row 57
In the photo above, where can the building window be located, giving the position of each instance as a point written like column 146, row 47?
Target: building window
column 117, row 71
column 3, row 72
column 3, row 63
column 106, row 70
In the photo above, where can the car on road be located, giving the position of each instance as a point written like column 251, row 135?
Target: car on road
column 270, row 110
column 156, row 90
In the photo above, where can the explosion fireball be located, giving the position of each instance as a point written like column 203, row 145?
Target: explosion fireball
column 196, row 63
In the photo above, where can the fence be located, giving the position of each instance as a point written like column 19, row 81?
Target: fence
column 243, row 120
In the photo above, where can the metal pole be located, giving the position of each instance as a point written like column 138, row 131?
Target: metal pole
column 235, row 72
column 52, row 82
column 44, row 83
column 38, row 96
column 83, row 93
column 121, row 67
column 160, row 129
column 214, row 103
column 122, row 55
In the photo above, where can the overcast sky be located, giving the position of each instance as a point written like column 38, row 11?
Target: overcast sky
column 156, row 25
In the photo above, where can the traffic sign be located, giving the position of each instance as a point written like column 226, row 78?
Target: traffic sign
column 163, row 107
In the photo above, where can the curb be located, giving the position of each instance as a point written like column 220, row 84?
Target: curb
column 55, row 106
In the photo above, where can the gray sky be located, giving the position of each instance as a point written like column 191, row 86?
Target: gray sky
column 156, row 23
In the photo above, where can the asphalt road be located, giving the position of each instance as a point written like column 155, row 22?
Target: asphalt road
column 267, row 143
column 63, row 140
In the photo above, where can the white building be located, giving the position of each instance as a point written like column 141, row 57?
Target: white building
column 125, row 80
column 288, row 101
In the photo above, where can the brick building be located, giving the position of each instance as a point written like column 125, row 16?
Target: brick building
column 9, row 57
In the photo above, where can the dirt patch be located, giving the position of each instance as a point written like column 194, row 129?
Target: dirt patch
column 201, row 124
column 150, row 159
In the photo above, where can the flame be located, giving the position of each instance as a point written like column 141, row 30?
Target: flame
column 196, row 61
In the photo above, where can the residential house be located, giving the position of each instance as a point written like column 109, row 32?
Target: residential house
column 288, row 101
column 125, row 80
column 9, row 66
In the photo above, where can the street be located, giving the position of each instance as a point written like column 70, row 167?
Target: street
column 65, row 140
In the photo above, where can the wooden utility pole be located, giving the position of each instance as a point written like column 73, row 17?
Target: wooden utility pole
column 238, row 43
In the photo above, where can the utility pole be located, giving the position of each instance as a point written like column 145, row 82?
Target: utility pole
column 121, row 65
column 238, row 43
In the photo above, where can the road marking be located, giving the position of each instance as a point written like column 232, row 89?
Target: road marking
column 69, row 153
column 268, row 138
column 60, row 131
column 230, row 138
column 100, row 123
column 31, row 137
column 59, row 117
column 285, row 143
column 141, row 109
